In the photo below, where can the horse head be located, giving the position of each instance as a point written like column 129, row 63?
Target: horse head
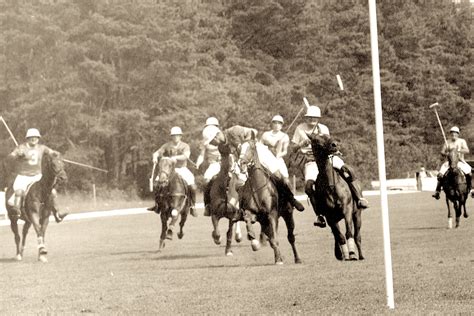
column 248, row 155
column 453, row 157
column 165, row 170
column 53, row 167
column 322, row 145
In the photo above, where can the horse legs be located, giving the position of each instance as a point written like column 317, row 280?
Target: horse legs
column 250, row 232
column 14, row 228
column 290, row 225
column 450, row 217
column 341, row 250
column 164, row 228
column 216, row 235
column 184, row 216
column 230, row 232
column 238, row 232
column 457, row 209
column 26, row 228
column 465, row 210
column 269, row 228
column 169, row 232
column 349, row 235
column 34, row 216
column 357, row 220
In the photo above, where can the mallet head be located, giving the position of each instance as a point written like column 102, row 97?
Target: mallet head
column 306, row 103
column 434, row 105
column 339, row 82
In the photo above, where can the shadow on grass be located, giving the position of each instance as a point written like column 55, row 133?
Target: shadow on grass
column 121, row 253
column 8, row 260
column 219, row 266
column 426, row 228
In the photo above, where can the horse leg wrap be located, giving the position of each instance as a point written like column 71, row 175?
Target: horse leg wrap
column 345, row 251
column 450, row 222
column 351, row 245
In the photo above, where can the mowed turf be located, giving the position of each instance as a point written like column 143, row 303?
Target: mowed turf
column 111, row 266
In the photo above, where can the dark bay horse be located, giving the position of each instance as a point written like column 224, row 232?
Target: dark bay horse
column 224, row 200
column 335, row 200
column 260, row 201
column 455, row 188
column 172, row 200
column 37, row 205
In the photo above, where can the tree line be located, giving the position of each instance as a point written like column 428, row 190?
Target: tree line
column 105, row 80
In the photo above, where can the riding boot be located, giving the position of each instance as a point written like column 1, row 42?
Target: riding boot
column 58, row 216
column 207, row 198
column 283, row 185
column 354, row 186
column 438, row 187
column 309, row 190
column 192, row 198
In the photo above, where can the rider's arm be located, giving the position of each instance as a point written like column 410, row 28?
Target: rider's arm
column 200, row 158
column 282, row 147
column 18, row 152
column 186, row 153
column 300, row 139
column 158, row 153
column 463, row 149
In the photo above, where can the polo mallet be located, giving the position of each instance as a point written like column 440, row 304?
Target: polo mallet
column 152, row 178
column 306, row 103
column 434, row 106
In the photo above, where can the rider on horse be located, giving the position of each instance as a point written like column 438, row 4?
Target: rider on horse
column 460, row 145
column 211, row 157
column 236, row 137
column 179, row 152
column 28, row 157
column 303, row 145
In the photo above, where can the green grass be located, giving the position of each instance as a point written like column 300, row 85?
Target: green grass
column 111, row 266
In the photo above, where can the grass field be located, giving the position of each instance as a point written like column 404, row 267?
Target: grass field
column 111, row 266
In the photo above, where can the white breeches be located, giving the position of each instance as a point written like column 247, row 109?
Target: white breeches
column 311, row 168
column 464, row 166
column 22, row 182
column 211, row 171
column 267, row 159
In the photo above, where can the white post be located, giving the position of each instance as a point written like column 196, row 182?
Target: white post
column 381, row 153
column 94, row 194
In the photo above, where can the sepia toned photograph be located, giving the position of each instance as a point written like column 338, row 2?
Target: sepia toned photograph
column 236, row 157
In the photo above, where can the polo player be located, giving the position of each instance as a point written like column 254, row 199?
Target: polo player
column 303, row 145
column 179, row 153
column 237, row 137
column 460, row 145
column 28, row 157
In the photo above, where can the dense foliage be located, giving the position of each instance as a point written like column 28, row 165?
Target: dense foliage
column 105, row 80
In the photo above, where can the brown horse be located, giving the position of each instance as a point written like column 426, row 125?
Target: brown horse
column 260, row 201
column 455, row 188
column 335, row 200
column 224, row 200
column 37, row 205
column 172, row 200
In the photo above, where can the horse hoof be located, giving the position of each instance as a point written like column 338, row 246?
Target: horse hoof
column 229, row 254
column 169, row 235
column 180, row 235
column 18, row 257
column 216, row 238
column 42, row 258
column 361, row 257
column 238, row 238
column 353, row 257
column 298, row 261
column 279, row 263
column 255, row 245
column 466, row 215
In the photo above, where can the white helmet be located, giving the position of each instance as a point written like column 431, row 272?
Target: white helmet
column 313, row 111
column 212, row 121
column 277, row 118
column 32, row 132
column 454, row 129
column 176, row 130
column 209, row 132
